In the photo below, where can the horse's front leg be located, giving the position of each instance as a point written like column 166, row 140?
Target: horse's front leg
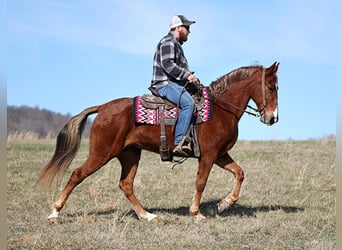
column 227, row 163
column 204, row 168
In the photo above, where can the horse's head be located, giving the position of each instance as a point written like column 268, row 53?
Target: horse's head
column 266, row 95
column 235, row 89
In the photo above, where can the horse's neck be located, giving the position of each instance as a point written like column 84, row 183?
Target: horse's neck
column 237, row 95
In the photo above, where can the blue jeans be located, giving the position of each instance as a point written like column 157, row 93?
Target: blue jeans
column 171, row 92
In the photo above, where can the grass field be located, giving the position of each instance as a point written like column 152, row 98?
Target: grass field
column 288, row 201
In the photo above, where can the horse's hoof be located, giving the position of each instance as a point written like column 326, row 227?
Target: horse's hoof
column 199, row 217
column 54, row 220
column 220, row 208
column 150, row 217
column 225, row 204
column 154, row 220
column 54, row 217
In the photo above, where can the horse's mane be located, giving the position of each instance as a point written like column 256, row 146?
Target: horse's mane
column 219, row 86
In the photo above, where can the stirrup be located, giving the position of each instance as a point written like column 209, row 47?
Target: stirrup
column 183, row 148
column 178, row 151
column 186, row 143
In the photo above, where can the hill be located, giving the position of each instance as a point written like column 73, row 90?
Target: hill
column 41, row 122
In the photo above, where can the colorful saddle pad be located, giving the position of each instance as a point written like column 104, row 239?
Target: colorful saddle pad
column 151, row 116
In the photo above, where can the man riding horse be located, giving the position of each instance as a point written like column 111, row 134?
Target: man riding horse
column 170, row 74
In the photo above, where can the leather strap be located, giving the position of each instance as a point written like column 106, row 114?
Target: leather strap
column 163, row 149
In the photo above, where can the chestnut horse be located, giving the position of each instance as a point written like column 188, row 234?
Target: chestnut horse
column 115, row 134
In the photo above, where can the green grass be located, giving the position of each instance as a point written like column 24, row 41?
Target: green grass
column 288, row 201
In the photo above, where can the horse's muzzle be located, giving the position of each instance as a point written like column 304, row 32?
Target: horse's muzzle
column 269, row 118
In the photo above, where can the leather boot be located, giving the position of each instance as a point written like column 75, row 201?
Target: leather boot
column 183, row 148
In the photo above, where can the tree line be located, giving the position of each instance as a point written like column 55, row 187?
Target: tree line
column 42, row 122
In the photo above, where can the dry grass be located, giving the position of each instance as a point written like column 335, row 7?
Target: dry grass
column 288, row 201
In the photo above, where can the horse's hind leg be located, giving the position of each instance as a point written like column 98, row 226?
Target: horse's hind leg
column 129, row 160
column 91, row 165
column 227, row 163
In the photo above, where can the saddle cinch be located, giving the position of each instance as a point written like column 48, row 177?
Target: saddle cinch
column 167, row 114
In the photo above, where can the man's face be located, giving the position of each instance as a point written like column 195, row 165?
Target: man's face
column 183, row 33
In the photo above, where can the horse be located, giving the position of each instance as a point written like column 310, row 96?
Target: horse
column 114, row 133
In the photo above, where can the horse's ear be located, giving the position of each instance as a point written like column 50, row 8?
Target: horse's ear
column 273, row 68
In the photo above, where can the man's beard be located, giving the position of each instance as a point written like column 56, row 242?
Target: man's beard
column 183, row 39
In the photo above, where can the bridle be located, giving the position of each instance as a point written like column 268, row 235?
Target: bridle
column 255, row 112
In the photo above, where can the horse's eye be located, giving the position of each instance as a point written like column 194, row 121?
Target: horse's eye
column 272, row 89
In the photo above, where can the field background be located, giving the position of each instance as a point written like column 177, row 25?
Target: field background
column 288, row 201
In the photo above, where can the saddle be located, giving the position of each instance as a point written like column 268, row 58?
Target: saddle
column 156, row 102
column 201, row 97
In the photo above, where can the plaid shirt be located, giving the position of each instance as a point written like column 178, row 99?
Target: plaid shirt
column 169, row 62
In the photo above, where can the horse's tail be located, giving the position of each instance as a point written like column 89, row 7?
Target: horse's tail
column 68, row 142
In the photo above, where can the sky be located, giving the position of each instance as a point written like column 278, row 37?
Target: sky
column 65, row 55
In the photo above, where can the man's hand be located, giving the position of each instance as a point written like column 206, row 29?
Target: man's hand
column 193, row 79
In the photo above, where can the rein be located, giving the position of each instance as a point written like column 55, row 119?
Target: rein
column 257, row 111
column 256, row 114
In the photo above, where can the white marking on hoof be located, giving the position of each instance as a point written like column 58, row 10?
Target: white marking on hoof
column 149, row 217
column 54, row 216
column 225, row 204
column 55, row 220
column 200, row 217
column 221, row 207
